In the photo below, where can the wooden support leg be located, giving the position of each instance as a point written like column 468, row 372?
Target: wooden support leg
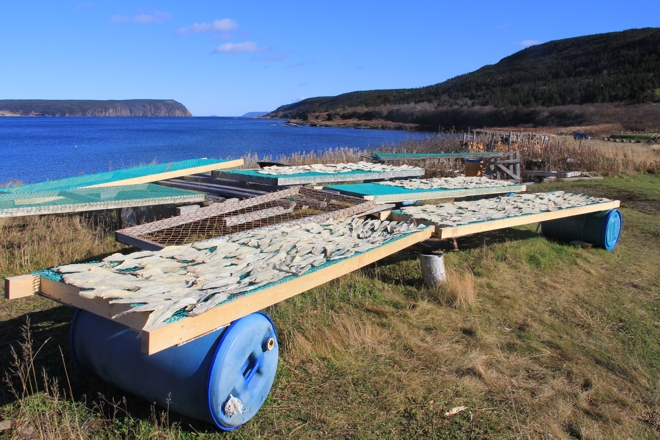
column 21, row 286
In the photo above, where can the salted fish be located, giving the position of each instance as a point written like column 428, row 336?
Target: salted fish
column 135, row 256
column 448, row 183
column 72, row 268
column 175, row 278
column 462, row 213
column 335, row 168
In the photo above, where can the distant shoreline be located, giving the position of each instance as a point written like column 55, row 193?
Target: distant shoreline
column 92, row 108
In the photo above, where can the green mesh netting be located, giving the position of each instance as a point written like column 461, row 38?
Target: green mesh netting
column 112, row 176
column 88, row 199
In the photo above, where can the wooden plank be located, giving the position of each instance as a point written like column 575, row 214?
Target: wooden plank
column 189, row 328
column 382, row 211
column 21, row 286
column 138, row 242
column 509, row 172
column 171, row 174
column 474, row 228
column 69, row 295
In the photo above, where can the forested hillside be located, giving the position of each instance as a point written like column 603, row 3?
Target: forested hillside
column 70, row 107
column 617, row 67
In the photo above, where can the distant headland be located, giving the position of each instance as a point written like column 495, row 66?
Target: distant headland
column 75, row 107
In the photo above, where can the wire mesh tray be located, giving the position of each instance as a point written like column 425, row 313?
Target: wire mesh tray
column 290, row 206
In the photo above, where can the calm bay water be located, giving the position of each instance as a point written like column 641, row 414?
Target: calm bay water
column 36, row 149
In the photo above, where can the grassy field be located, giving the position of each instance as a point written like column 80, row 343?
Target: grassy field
column 537, row 339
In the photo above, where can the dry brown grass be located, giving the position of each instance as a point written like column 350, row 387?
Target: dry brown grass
column 459, row 291
column 332, row 155
column 548, row 152
column 38, row 242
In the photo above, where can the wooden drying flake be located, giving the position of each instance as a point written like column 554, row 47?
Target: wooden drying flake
column 179, row 332
column 172, row 174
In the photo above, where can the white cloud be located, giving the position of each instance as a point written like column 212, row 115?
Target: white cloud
column 245, row 47
column 527, row 43
column 224, row 25
column 152, row 17
column 278, row 57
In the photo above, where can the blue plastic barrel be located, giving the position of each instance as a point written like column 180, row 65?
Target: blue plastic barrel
column 222, row 377
column 601, row 229
column 473, row 166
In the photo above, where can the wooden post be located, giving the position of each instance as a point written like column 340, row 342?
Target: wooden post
column 510, row 134
column 433, row 269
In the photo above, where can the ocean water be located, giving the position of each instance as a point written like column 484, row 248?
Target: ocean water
column 37, row 149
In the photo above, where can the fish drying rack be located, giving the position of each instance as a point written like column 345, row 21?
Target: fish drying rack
column 294, row 205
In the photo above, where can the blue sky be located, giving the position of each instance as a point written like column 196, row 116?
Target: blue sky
column 228, row 58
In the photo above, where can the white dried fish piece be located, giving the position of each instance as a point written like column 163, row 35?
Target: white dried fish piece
column 161, row 314
column 334, row 168
column 209, row 304
column 150, row 274
column 447, row 183
column 501, row 207
column 214, row 275
column 220, row 282
column 131, row 263
column 158, row 290
column 117, row 257
column 165, row 265
column 111, row 293
column 263, row 275
column 100, row 284
column 89, row 275
column 169, row 251
column 190, row 255
column 208, row 263
column 72, row 268
column 207, row 244
column 172, row 295
column 149, row 307
column 239, row 252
